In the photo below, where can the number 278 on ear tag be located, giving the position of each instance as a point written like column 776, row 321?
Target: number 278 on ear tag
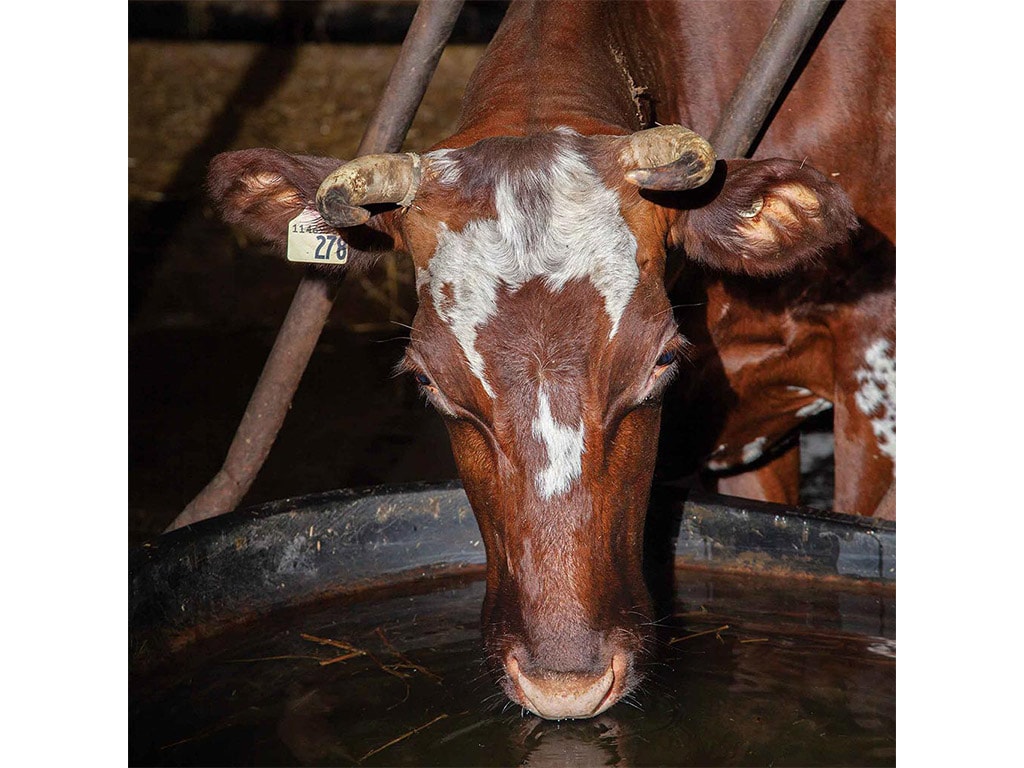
column 307, row 244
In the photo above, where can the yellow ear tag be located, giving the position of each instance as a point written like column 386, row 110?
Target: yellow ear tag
column 309, row 243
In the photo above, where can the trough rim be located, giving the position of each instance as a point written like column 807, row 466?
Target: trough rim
column 199, row 580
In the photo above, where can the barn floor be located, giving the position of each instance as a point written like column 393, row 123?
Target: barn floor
column 205, row 303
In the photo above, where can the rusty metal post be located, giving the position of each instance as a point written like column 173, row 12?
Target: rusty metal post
column 424, row 42
column 767, row 73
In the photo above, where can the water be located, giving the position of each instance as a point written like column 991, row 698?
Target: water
column 753, row 671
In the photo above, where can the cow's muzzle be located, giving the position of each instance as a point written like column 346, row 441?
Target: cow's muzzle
column 565, row 695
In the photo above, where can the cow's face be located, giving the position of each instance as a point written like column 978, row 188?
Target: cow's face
column 545, row 339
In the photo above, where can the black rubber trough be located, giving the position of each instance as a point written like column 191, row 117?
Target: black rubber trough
column 191, row 583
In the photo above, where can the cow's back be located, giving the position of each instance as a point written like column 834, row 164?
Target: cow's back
column 839, row 114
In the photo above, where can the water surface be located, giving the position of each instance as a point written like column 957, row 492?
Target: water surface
column 752, row 671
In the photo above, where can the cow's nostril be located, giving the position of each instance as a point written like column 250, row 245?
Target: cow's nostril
column 562, row 695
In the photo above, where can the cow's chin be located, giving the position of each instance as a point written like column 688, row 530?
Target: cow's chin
column 559, row 694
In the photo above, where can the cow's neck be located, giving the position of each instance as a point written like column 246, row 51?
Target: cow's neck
column 540, row 72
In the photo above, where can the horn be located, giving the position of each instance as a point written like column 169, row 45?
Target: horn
column 367, row 180
column 669, row 157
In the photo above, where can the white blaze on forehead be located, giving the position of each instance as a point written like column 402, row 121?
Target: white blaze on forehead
column 564, row 446
column 558, row 222
column 876, row 396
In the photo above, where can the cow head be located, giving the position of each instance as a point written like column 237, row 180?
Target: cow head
column 545, row 338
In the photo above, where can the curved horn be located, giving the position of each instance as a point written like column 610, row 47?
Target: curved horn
column 669, row 157
column 370, row 179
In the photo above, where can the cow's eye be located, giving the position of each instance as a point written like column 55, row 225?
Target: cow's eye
column 667, row 358
column 433, row 395
column 664, row 370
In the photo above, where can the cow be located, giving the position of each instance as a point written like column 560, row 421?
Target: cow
column 545, row 336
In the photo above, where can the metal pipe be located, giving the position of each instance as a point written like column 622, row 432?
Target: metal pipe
column 424, row 42
column 767, row 73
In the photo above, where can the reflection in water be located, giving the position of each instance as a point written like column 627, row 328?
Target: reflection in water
column 305, row 727
column 573, row 742
column 801, row 675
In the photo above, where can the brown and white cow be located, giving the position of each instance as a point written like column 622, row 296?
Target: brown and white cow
column 545, row 336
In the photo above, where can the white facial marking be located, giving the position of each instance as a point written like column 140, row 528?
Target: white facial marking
column 819, row 405
column 422, row 278
column 876, row 396
column 799, row 390
column 565, row 450
column 752, row 451
column 572, row 229
column 444, row 166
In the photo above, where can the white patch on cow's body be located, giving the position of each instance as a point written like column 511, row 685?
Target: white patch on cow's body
column 752, row 451
column 876, row 395
column 564, row 446
column 804, row 391
column 819, row 405
column 558, row 223
column 714, row 464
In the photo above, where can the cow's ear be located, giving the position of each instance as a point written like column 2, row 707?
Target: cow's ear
column 262, row 190
column 765, row 217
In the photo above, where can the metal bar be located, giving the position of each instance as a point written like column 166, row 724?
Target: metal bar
column 767, row 73
column 425, row 41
